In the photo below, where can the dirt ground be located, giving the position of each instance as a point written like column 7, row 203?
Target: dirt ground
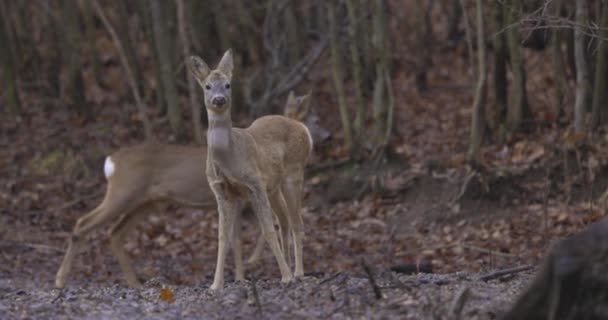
column 336, row 296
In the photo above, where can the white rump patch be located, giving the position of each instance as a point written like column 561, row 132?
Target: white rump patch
column 108, row 167
column 308, row 133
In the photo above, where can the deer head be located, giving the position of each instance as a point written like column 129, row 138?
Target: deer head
column 298, row 108
column 215, row 83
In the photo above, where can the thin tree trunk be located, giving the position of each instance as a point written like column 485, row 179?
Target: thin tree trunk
column 72, row 86
column 424, row 36
column 478, row 116
column 558, row 62
column 124, row 32
column 599, row 113
column 380, row 86
column 500, row 70
column 147, row 24
column 7, row 61
column 123, row 59
column 356, row 69
column 518, row 108
column 338, row 75
column 192, row 87
column 454, row 20
column 91, row 37
column 582, row 71
column 163, row 47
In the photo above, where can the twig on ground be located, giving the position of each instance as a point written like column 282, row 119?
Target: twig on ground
column 458, row 303
column 499, row 273
column 332, row 277
column 12, row 243
column 488, row 251
column 76, row 201
column 372, row 280
column 256, row 297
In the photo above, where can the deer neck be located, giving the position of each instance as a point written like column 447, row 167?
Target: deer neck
column 219, row 133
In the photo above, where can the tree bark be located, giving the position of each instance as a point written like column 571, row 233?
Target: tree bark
column 582, row 70
column 558, row 62
column 478, row 117
column 424, row 37
column 163, row 47
column 192, row 86
column 454, row 20
column 518, row 108
column 125, row 63
column 500, row 70
column 599, row 113
column 356, row 69
column 380, row 86
column 7, row 61
column 338, row 75
column 72, row 85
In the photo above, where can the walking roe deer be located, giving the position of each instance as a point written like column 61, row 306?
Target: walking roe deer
column 143, row 175
column 262, row 164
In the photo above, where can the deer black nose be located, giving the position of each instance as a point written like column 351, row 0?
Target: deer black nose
column 220, row 101
column 327, row 138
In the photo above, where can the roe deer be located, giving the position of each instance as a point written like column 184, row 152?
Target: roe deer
column 143, row 175
column 262, row 164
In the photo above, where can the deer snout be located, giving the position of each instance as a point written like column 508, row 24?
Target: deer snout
column 327, row 137
column 219, row 100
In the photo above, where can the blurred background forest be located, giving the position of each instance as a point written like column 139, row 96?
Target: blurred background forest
column 467, row 134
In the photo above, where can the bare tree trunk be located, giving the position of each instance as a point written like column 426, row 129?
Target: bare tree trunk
column 558, row 62
column 356, row 68
column 7, row 61
column 478, row 117
column 161, row 40
column 500, row 70
column 582, row 71
column 454, row 20
column 72, row 86
column 192, row 87
column 518, row 108
column 424, row 39
column 123, row 59
column 381, row 57
column 338, row 75
column 148, row 26
column 124, row 32
column 90, row 48
column 599, row 113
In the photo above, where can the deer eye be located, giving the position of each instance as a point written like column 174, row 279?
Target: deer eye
column 227, row 86
column 208, row 87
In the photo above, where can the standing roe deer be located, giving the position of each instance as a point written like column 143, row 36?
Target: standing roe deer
column 143, row 175
column 262, row 164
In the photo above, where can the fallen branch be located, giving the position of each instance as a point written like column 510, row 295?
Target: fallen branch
column 499, row 273
column 372, row 280
column 458, row 303
column 256, row 297
column 12, row 243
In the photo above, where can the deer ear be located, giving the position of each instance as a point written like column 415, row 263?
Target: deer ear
column 226, row 64
column 291, row 98
column 304, row 103
column 198, row 68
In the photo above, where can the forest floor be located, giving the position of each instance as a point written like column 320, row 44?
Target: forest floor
column 425, row 207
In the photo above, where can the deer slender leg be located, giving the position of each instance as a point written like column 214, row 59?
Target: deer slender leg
column 110, row 208
column 117, row 239
column 280, row 209
column 227, row 214
column 237, row 241
column 263, row 211
column 292, row 190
